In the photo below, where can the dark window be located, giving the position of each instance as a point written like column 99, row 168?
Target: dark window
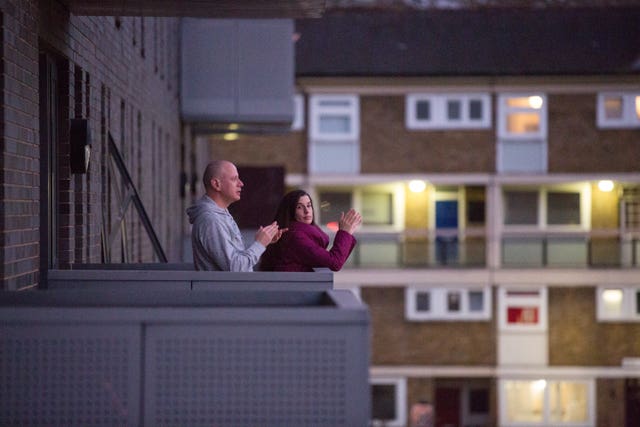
column 479, row 401
column 475, row 109
column 563, row 208
column 331, row 205
column 423, row 110
column 423, row 301
column 453, row 110
column 475, row 212
column 383, row 401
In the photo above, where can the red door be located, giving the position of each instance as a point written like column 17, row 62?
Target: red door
column 447, row 407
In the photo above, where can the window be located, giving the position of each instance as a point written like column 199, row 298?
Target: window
column 618, row 303
column 298, row 112
column 460, row 304
column 380, row 205
column 522, row 116
column 541, row 402
column 618, row 110
column 388, row 401
column 377, row 208
column 430, row 111
column 546, row 207
column 332, row 203
column 334, row 133
column 523, row 309
column 334, row 117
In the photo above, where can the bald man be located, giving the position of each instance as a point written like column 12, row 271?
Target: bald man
column 215, row 238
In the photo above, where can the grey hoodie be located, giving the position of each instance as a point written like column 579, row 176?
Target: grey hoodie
column 216, row 240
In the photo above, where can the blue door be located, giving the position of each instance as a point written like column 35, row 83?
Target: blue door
column 446, row 218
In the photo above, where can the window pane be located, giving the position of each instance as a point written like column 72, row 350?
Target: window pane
column 520, row 102
column 423, row 301
column 377, row 208
column 637, row 302
column 524, row 401
column 479, row 401
column 568, row 402
column 476, row 301
column 612, row 302
column 613, row 107
column 423, row 110
column 475, row 109
column 383, row 401
column 523, row 123
column 453, row 110
column 475, row 212
column 453, row 301
column 334, row 124
column 334, row 103
column 331, row 204
column 522, row 315
column 521, row 207
column 563, row 208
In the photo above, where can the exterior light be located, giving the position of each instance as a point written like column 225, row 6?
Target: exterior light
column 417, row 186
column 535, row 102
column 605, row 185
column 612, row 296
column 234, row 126
column 231, row 136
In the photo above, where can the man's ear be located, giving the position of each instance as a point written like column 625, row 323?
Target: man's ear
column 215, row 184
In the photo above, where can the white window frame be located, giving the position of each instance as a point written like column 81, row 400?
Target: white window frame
column 400, row 400
column 503, row 111
column 629, row 312
column 438, row 104
column 629, row 117
column 546, row 415
column 438, row 300
column 542, row 224
column 298, row 112
column 540, row 301
column 351, row 110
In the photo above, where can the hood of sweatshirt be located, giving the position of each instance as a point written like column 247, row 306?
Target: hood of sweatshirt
column 204, row 206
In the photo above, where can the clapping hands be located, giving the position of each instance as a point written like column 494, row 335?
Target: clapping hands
column 349, row 221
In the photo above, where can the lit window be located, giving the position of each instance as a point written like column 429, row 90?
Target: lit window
column 621, row 303
column 388, row 401
column 523, row 309
column 431, row 111
column 522, row 116
column 377, row 208
column 618, row 110
column 446, row 304
column 547, row 403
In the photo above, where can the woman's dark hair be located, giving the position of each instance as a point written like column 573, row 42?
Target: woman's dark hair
column 286, row 212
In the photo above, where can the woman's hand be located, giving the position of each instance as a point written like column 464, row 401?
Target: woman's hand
column 349, row 221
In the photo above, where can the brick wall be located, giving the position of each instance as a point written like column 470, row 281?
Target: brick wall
column 122, row 75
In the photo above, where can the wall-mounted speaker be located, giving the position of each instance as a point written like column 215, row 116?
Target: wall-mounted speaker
column 80, row 145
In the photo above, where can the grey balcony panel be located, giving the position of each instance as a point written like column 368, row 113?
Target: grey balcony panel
column 184, row 358
column 320, row 280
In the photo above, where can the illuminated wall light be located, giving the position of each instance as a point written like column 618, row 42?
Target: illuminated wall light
column 417, row 186
column 605, row 185
column 539, row 385
column 231, row 136
column 535, row 102
column 234, row 126
column 612, row 296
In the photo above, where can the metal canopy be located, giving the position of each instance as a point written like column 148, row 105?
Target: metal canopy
column 200, row 8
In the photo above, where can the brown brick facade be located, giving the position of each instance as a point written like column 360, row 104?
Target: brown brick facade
column 576, row 338
column 119, row 73
column 397, row 341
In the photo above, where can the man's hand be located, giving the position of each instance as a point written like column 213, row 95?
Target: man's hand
column 266, row 234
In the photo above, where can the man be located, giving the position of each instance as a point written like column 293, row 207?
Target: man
column 215, row 237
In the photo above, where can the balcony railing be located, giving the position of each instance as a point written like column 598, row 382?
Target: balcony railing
column 596, row 249
column 455, row 249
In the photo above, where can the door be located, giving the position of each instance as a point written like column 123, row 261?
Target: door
column 447, row 407
column 446, row 243
column 49, row 133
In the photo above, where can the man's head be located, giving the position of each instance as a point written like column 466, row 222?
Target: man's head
column 222, row 182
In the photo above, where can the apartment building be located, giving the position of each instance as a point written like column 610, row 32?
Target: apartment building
column 495, row 157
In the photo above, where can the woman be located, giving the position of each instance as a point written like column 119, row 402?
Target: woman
column 304, row 245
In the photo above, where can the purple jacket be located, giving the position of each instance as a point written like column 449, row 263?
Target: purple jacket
column 304, row 247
